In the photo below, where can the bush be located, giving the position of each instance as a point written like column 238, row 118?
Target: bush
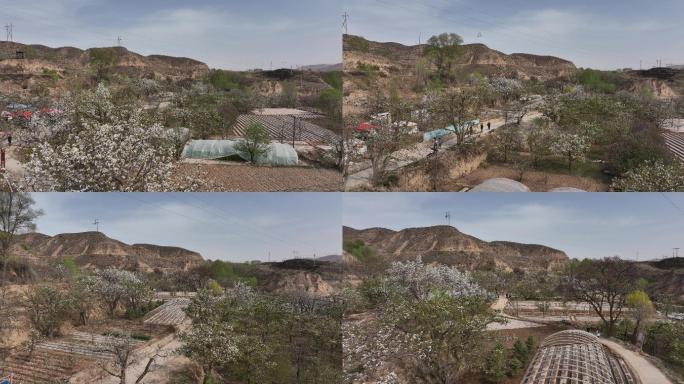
column 495, row 366
column 358, row 249
column 224, row 80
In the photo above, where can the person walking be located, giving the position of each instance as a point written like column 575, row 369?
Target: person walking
column 9, row 140
column 2, row 158
column 481, row 127
column 489, row 125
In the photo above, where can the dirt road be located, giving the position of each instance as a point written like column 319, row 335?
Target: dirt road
column 647, row 372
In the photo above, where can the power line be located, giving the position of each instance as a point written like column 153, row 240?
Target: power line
column 677, row 207
column 96, row 223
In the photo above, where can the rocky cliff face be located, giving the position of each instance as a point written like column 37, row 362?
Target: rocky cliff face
column 96, row 250
column 447, row 245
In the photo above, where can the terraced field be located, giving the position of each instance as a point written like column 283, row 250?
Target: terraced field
column 54, row 361
column 675, row 141
column 281, row 128
column 169, row 313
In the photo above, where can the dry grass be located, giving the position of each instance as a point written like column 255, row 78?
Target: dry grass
column 537, row 181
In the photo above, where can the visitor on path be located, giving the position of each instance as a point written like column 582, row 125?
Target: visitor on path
column 435, row 146
column 481, row 127
column 2, row 158
column 9, row 140
column 489, row 125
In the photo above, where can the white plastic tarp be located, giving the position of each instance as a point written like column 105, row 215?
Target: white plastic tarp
column 277, row 154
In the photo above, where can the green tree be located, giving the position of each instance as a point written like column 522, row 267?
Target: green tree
column 103, row 59
column 444, row 50
column 255, row 143
column 642, row 310
column 495, row 367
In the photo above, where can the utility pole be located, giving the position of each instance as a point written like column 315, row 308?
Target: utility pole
column 96, row 223
column 675, row 252
column 447, row 216
column 345, row 22
column 9, row 32
column 118, row 41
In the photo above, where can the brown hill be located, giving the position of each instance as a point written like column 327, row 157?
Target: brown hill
column 447, row 245
column 33, row 60
column 389, row 60
column 96, row 250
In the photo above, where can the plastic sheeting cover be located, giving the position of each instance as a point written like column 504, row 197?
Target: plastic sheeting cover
column 500, row 185
column 427, row 136
column 277, row 154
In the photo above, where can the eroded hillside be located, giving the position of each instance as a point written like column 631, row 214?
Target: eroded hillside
column 447, row 245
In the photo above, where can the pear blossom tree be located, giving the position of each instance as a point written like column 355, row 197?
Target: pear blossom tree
column 572, row 146
column 98, row 145
column 431, row 323
column 652, row 176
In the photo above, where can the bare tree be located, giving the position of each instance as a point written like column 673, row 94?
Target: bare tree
column 604, row 285
column 17, row 215
column 457, row 107
column 124, row 356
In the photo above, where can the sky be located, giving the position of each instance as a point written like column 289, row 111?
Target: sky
column 602, row 34
column 584, row 225
column 228, row 34
column 226, row 226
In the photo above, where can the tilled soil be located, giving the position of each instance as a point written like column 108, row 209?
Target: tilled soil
column 249, row 178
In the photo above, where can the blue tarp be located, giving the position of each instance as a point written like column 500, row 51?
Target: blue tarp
column 436, row 134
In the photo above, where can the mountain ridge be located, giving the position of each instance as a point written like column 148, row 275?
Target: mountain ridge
column 447, row 245
column 96, row 250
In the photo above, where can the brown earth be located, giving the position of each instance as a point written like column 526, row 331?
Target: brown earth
column 447, row 245
column 316, row 277
column 96, row 250
column 249, row 178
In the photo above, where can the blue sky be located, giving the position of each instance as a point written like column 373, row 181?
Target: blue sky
column 231, row 34
column 583, row 225
column 604, row 34
column 228, row 226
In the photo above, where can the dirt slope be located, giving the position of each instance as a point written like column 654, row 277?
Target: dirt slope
column 447, row 245
column 96, row 250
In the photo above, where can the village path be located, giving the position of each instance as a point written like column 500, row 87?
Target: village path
column 419, row 152
column 647, row 372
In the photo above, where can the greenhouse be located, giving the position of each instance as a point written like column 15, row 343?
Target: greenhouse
column 277, row 154
column 576, row 357
column 500, row 185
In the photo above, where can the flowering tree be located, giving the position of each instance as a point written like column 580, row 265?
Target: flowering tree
column 572, row 146
column 118, row 287
column 98, row 145
column 431, row 322
column 652, row 177
column 211, row 344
